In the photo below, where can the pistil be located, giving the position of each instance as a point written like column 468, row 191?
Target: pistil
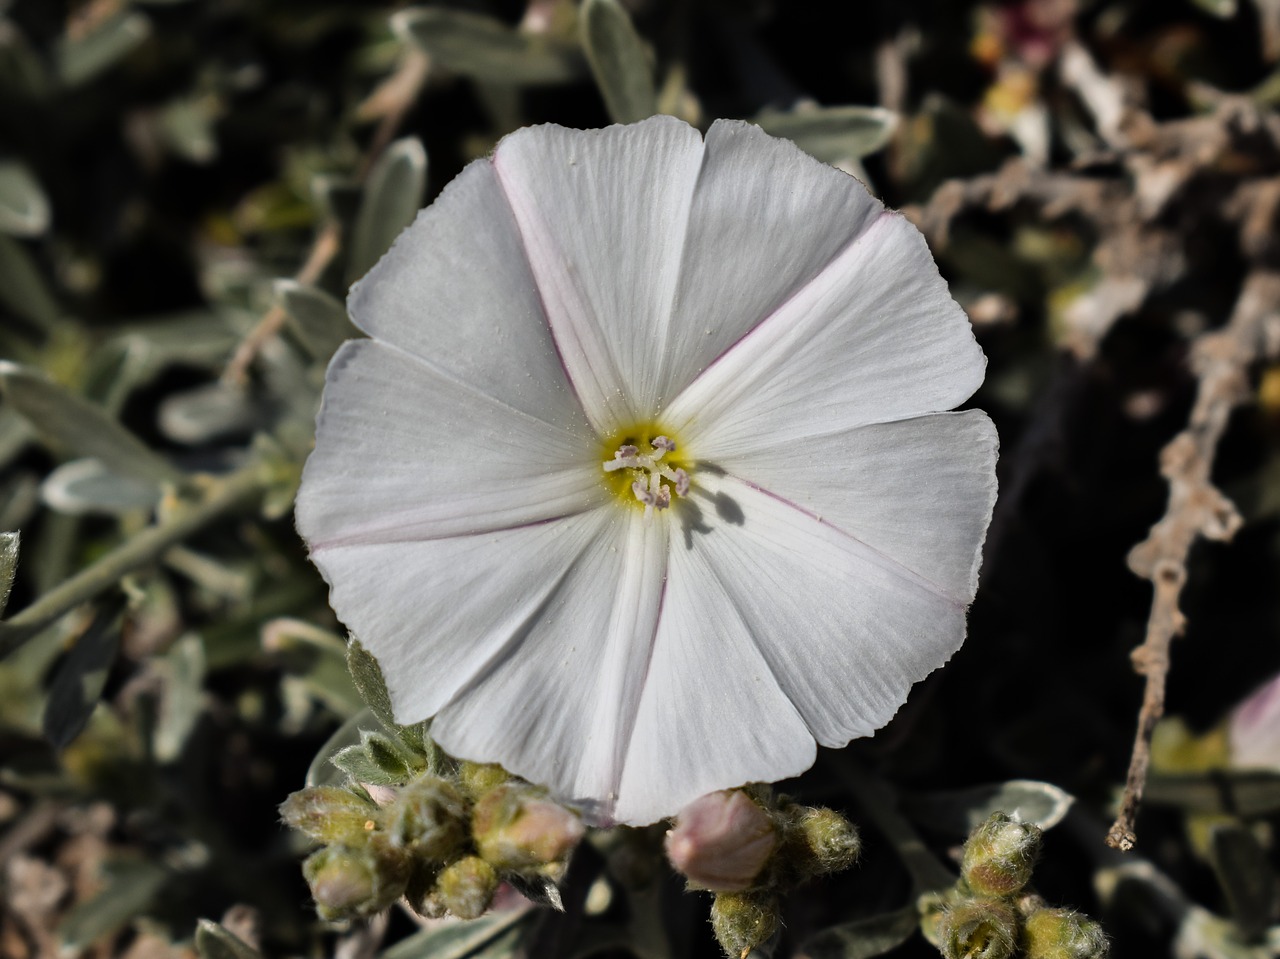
column 648, row 487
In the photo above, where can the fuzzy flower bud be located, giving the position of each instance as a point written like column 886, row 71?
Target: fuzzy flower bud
column 478, row 778
column 516, row 828
column 428, row 817
column 979, row 929
column 1000, row 855
column 330, row 815
column 722, row 841
column 743, row 920
column 1062, row 934
column 466, row 887
column 1253, row 729
column 830, row 841
column 348, row 883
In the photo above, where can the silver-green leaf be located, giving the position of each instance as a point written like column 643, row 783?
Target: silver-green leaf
column 618, row 60
column 81, row 427
column 392, row 197
column 24, row 208
column 9, row 543
column 318, row 319
column 81, row 58
column 483, row 48
column 831, row 134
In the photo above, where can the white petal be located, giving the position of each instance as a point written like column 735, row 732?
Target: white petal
column 874, row 337
column 602, row 215
column 712, row 714
column 921, row 491
column 437, row 613
column 766, row 219
column 845, row 630
column 405, row 452
column 455, row 289
column 558, row 707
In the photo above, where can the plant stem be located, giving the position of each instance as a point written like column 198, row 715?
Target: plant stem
column 876, row 800
column 222, row 496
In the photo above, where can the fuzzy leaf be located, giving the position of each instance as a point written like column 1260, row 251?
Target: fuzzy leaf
column 483, row 48
column 82, row 487
column 1246, row 877
column 537, row 889
column 392, row 197
column 319, row 320
column 9, row 543
column 78, row 683
column 618, row 61
column 491, row 936
column 958, row 812
column 24, row 208
column 80, row 426
column 832, row 133
column 356, row 762
column 217, row 942
column 22, row 288
column 82, row 58
column 863, row 938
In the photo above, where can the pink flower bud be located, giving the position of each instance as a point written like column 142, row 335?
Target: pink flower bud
column 722, row 841
column 1253, row 729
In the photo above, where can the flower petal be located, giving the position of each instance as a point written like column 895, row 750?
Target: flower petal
column 873, row 337
column 404, row 452
column 455, row 289
column 437, row 614
column 558, row 707
column 921, row 491
column 712, row 714
column 602, row 216
column 845, row 630
column 766, row 218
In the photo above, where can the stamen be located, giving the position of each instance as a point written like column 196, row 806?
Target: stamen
column 649, row 488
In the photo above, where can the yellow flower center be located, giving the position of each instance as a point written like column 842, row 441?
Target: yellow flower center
column 642, row 467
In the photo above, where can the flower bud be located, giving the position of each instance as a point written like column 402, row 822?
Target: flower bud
column 743, row 920
column 466, row 887
column 428, row 817
column 348, row 883
column 830, row 841
column 329, row 814
column 1062, row 934
column 517, row 828
column 979, row 929
column 722, row 841
column 1000, row 855
column 476, row 779
column 1253, row 729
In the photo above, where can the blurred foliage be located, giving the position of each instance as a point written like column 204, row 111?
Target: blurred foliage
column 187, row 187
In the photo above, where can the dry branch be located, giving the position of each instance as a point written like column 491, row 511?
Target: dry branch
column 1221, row 361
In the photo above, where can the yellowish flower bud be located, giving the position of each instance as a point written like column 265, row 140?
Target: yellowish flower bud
column 1062, row 934
column 722, row 841
column 743, row 920
column 429, row 818
column 349, row 883
column 1000, row 855
column 829, row 840
column 466, row 887
column 330, row 815
column 517, row 828
column 476, row 779
column 979, row 929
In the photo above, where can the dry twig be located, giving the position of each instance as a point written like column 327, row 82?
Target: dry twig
column 1221, row 360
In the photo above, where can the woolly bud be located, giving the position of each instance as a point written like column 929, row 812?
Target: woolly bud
column 478, row 778
column 466, row 887
column 979, row 929
column 722, row 841
column 349, row 883
column 428, row 817
column 743, row 920
column 999, row 856
column 330, row 815
column 829, row 840
column 517, row 828
column 1062, row 934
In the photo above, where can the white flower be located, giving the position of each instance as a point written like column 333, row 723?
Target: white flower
column 639, row 486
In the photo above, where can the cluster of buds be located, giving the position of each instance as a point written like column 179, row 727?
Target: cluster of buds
column 443, row 842
column 748, row 850
column 990, row 914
